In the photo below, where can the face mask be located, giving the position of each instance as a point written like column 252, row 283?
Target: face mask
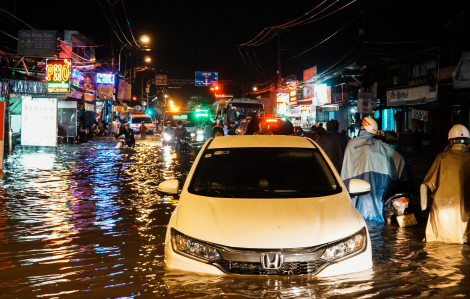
column 179, row 127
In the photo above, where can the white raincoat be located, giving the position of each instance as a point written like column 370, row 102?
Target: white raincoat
column 378, row 164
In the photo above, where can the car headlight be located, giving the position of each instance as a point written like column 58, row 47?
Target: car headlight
column 351, row 245
column 188, row 246
column 193, row 134
column 200, row 132
column 167, row 137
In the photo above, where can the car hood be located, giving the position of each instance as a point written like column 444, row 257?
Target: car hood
column 268, row 223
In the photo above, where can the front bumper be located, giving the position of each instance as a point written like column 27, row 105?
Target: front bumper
column 305, row 261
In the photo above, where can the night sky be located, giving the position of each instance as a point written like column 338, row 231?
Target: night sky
column 203, row 35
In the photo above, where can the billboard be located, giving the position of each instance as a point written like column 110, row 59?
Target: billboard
column 105, row 78
column 37, row 43
column 39, row 121
column 310, row 73
column 282, row 103
column 58, row 73
column 78, row 79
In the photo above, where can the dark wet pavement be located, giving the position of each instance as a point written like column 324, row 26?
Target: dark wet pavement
column 87, row 220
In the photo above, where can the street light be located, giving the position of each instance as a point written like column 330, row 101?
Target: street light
column 143, row 38
column 148, row 59
column 255, row 88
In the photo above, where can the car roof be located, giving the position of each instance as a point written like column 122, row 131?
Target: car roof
column 140, row 115
column 239, row 141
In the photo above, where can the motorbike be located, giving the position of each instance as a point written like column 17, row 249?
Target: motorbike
column 182, row 145
column 167, row 139
column 397, row 205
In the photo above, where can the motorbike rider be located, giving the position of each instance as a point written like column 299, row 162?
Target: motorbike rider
column 129, row 135
column 218, row 131
column 446, row 190
column 263, row 129
column 377, row 163
column 180, row 131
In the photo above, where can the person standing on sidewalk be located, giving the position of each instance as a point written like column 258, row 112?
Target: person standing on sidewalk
column 115, row 125
column 143, row 130
column 446, row 190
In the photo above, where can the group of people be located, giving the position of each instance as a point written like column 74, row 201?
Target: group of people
column 445, row 189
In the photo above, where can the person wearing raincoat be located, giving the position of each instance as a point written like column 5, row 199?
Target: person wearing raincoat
column 446, row 190
column 375, row 162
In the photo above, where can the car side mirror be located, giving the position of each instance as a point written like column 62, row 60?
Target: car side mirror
column 169, row 187
column 358, row 187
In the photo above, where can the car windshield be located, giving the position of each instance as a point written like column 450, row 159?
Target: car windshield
column 188, row 119
column 263, row 173
column 138, row 120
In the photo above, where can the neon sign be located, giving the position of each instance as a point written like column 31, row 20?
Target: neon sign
column 58, row 75
column 103, row 78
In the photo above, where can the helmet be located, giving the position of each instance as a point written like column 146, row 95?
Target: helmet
column 458, row 131
column 370, row 125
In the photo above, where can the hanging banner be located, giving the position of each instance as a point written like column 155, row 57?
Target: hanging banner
column 415, row 95
column 364, row 102
column 39, row 122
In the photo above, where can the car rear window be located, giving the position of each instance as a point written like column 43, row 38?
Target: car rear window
column 263, row 173
column 138, row 120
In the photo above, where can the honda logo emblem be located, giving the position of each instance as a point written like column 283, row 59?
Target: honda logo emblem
column 272, row 260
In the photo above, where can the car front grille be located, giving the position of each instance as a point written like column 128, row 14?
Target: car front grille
column 291, row 268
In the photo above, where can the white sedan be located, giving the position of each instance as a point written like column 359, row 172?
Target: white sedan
column 258, row 205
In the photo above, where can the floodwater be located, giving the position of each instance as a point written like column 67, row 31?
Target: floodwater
column 87, row 220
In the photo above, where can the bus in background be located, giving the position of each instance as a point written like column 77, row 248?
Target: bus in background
column 230, row 110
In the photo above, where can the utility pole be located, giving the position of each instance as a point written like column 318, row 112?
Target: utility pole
column 279, row 32
column 111, row 42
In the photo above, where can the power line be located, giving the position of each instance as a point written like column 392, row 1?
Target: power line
column 5, row 10
column 109, row 22
column 301, row 22
column 128, row 21
column 117, row 22
column 302, row 15
column 305, row 23
column 326, row 38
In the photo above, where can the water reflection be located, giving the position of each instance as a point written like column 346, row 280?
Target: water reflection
column 87, row 220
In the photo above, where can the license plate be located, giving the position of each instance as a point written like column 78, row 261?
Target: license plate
column 407, row 220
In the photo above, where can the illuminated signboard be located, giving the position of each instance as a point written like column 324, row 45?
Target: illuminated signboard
column 78, row 79
column 39, row 121
column 282, row 102
column 58, row 75
column 105, row 78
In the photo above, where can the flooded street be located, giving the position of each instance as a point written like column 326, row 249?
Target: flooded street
column 87, row 220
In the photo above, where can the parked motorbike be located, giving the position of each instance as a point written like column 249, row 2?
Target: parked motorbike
column 397, row 205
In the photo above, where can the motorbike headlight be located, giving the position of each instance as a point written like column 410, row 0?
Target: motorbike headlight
column 187, row 246
column 351, row 245
column 193, row 135
column 167, row 137
column 200, row 132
